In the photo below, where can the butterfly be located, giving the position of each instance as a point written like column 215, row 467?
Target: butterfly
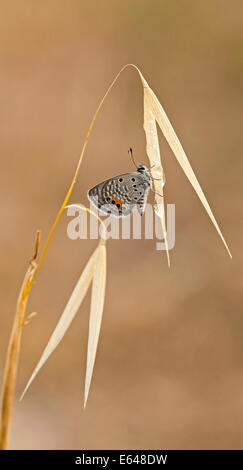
column 120, row 194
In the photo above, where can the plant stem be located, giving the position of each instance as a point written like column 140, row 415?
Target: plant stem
column 11, row 367
column 12, row 361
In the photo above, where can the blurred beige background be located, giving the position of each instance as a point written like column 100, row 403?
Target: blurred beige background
column 169, row 368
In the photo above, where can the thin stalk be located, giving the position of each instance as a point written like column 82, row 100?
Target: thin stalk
column 11, row 366
column 12, row 361
column 78, row 167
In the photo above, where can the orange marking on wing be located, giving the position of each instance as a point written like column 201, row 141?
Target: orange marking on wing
column 117, row 201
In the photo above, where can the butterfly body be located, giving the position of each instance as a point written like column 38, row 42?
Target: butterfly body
column 120, row 194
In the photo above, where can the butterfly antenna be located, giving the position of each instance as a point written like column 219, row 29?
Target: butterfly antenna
column 131, row 156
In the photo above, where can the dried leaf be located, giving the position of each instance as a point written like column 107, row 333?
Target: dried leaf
column 96, row 311
column 159, row 114
column 68, row 314
column 153, row 153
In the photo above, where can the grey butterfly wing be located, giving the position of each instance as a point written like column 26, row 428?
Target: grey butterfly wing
column 118, row 195
column 95, row 195
column 141, row 204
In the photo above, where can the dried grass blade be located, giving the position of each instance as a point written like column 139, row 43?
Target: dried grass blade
column 67, row 316
column 96, row 312
column 175, row 145
column 153, row 153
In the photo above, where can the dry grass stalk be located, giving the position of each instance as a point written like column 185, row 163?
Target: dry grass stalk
column 153, row 153
column 96, row 311
column 156, row 110
column 67, row 197
column 95, row 270
column 11, row 366
column 13, row 352
column 153, row 112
